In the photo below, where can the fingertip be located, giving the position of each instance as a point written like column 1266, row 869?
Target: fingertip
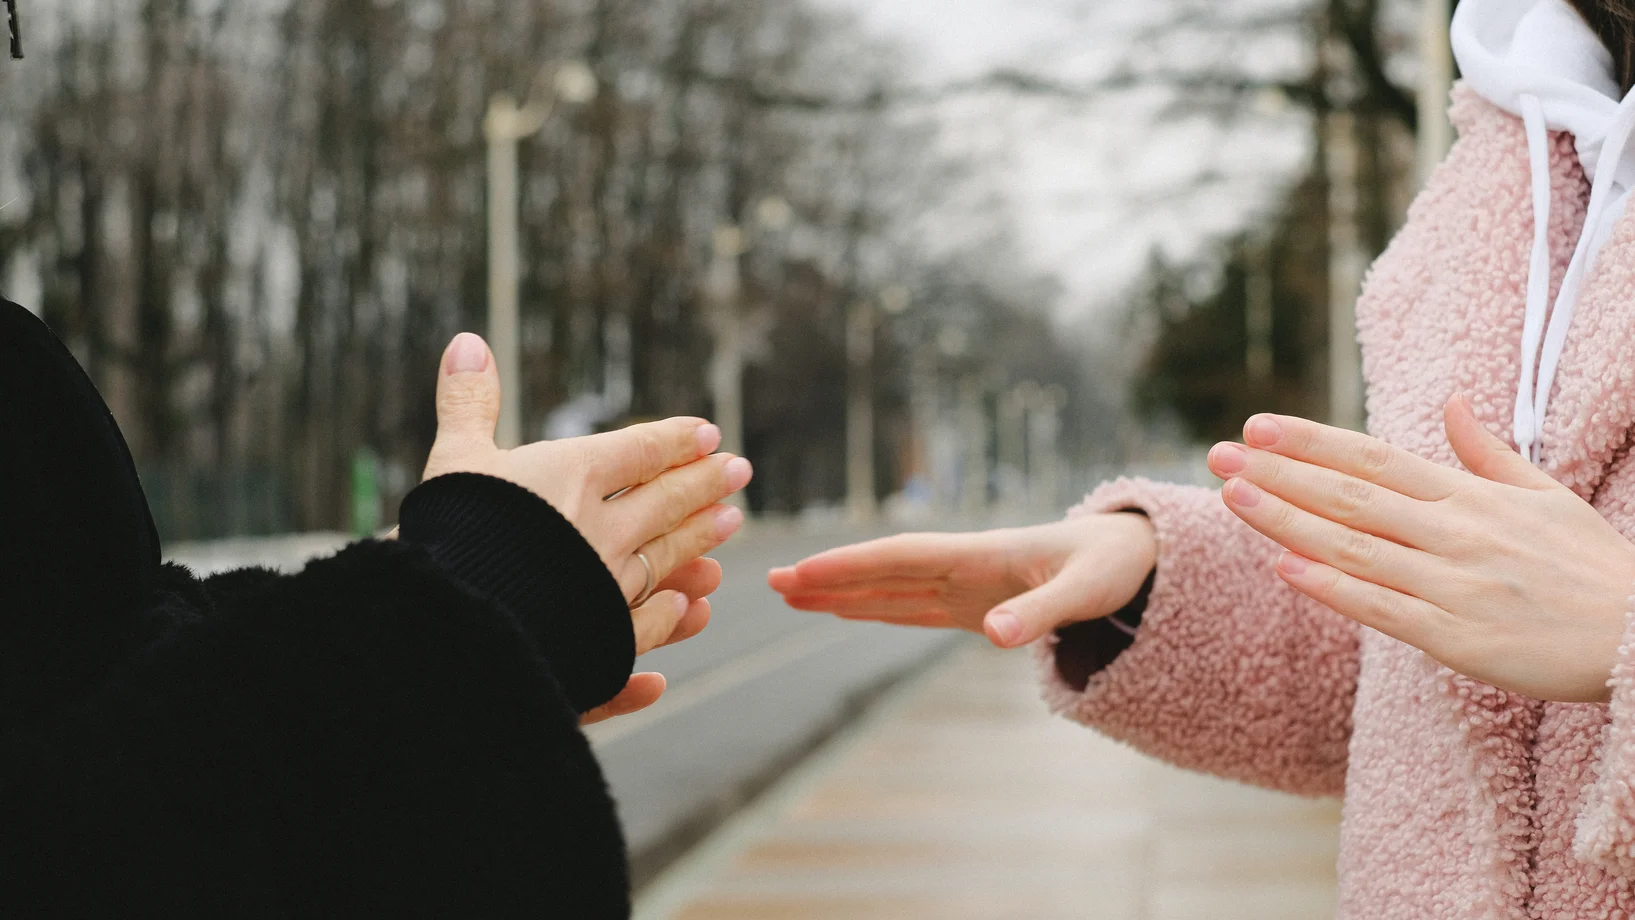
column 1227, row 459
column 709, row 438
column 692, row 623
column 782, row 579
column 466, row 354
column 739, row 472
column 1003, row 628
column 1262, row 430
column 702, row 611
column 1292, row 564
column 728, row 519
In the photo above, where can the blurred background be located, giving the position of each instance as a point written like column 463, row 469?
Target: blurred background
column 931, row 263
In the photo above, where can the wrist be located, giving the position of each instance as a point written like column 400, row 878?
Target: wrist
column 1143, row 539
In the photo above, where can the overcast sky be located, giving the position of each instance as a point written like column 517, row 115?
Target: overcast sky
column 1094, row 187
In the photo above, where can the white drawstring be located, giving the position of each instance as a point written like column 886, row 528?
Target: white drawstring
column 1540, row 61
column 1538, row 273
column 1606, row 204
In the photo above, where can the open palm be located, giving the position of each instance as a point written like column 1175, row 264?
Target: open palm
column 1013, row 585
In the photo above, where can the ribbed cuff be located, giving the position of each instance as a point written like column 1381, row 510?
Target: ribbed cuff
column 509, row 545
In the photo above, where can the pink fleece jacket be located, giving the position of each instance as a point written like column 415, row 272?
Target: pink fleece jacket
column 1461, row 800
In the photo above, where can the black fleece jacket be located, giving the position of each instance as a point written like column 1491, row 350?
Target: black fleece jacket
column 393, row 732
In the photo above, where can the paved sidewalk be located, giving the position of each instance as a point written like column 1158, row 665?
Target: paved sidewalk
column 960, row 797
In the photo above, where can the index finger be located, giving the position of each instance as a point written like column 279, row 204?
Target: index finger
column 639, row 454
column 917, row 555
column 1352, row 453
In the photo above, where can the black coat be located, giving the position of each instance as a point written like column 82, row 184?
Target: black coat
column 392, row 732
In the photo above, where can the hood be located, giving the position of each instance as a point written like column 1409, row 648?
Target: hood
column 79, row 539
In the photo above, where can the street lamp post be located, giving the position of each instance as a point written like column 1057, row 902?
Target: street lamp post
column 723, row 287
column 505, row 124
column 973, row 423
column 1346, row 259
column 860, row 501
column 1435, row 82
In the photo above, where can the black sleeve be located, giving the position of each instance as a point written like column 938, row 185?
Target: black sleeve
column 391, row 732
column 509, row 545
column 1085, row 649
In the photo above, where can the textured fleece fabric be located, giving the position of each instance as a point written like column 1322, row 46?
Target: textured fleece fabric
column 1461, row 800
column 392, row 732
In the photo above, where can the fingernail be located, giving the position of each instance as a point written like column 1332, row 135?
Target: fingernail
column 682, row 603
column 1004, row 627
column 727, row 522
column 1292, row 564
column 1228, row 460
column 739, row 473
column 709, row 438
column 467, row 355
column 1262, row 431
column 1242, row 492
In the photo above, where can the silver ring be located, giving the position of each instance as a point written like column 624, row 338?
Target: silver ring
column 647, row 592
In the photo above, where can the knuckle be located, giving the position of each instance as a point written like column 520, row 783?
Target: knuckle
column 1459, row 540
column 1283, row 519
column 465, row 402
column 702, row 535
column 1358, row 550
column 1375, row 458
column 1388, row 610
column 1302, row 436
column 621, row 534
column 1352, row 497
column 676, row 497
column 662, row 554
column 650, row 450
column 1328, row 589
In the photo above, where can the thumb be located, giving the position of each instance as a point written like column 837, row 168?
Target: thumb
column 1028, row 617
column 1484, row 454
column 468, row 395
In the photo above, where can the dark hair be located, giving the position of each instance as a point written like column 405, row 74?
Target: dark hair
column 1614, row 22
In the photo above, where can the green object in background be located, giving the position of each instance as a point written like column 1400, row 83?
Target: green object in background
column 365, row 493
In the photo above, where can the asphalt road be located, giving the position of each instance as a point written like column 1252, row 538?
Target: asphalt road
column 747, row 698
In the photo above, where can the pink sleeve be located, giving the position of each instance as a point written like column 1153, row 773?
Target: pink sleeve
column 1232, row 672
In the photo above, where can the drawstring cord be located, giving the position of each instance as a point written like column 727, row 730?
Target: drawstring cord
column 1606, row 203
column 1538, row 274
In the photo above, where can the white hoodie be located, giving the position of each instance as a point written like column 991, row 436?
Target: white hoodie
column 1540, row 61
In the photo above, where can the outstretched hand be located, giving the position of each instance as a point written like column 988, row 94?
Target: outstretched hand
column 651, row 489
column 1013, row 586
column 1501, row 573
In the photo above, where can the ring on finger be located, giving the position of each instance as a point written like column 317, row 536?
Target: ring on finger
column 652, row 582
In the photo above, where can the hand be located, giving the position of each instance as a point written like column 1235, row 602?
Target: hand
column 1013, row 585
column 649, row 489
column 696, row 580
column 1502, row 573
